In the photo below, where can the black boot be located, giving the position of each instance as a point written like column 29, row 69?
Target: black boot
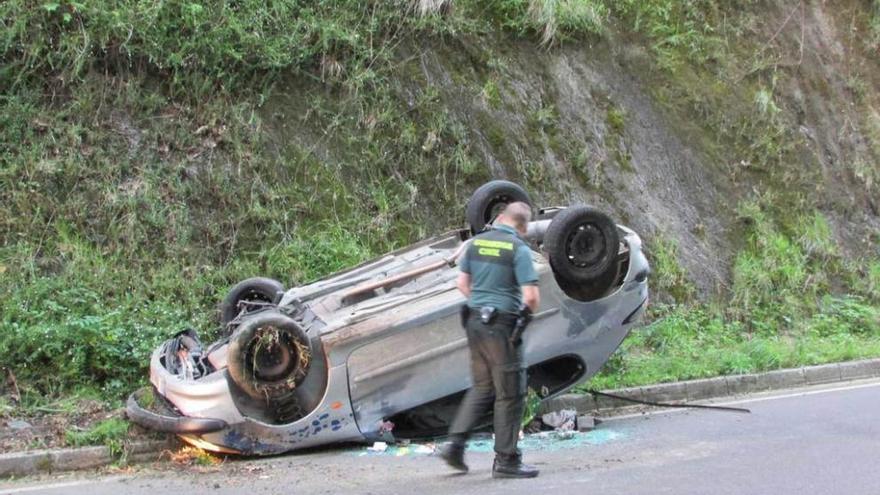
column 513, row 470
column 453, row 454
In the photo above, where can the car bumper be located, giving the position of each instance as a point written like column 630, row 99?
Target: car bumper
column 169, row 421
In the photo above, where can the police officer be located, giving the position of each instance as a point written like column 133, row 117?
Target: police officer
column 500, row 282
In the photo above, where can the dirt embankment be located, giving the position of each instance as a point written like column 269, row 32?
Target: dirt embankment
column 669, row 152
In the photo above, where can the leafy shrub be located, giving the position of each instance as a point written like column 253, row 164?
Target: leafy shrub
column 849, row 315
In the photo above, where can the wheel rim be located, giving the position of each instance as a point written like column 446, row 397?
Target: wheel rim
column 585, row 245
column 496, row 206
column 271, row 355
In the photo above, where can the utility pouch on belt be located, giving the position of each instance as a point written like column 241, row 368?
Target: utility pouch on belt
column 487, row 314
column 464, row 313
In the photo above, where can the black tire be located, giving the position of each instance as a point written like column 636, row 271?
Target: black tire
column 487, row 201
column 253, row 289
column 268, row 356
column 597, row 288
column 582, row 244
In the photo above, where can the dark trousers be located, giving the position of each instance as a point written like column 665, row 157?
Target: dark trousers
column 499, row 378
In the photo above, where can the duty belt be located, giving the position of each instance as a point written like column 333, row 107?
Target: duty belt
column 488, row 316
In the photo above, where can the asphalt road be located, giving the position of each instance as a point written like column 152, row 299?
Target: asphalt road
column 816, row 441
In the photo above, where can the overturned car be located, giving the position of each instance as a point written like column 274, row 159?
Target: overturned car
column 377, row 351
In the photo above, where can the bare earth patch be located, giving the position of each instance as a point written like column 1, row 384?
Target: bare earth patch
column 45, row 428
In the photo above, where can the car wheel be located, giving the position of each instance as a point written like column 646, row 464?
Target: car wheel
column 258, row 289
column 488, row 201
column 582, row 243
column 268, row 356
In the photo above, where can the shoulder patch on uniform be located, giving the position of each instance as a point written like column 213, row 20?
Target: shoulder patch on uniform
column 496, row 245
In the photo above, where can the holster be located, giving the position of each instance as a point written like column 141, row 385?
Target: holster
column 522, row 321
column 464, row 313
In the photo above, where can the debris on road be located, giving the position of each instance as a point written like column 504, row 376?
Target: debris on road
column 586, row 423
column 552, row 440
column 563, row 420
column 404, row 448
column 424, row 449
column 378, row 447
column 543, row 441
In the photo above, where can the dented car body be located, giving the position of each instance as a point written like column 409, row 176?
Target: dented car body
column 381, row 345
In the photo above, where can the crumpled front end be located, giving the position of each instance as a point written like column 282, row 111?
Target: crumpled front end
column 190, row 393
column 196, row 399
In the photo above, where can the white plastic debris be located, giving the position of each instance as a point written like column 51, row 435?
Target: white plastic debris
column 378, row 447
column 424, row 449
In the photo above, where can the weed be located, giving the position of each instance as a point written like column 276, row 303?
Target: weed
column 533, row 405
column 545, row 118
column 110, row 432
column 844, row 316
column 615, row 118
column 868, row 279
column 867, row 169
column 491, row 95
column 668, row 275
column 874, row 24
column 6, row 407
column 815, row 236
column 552, row 20
column 682, row 31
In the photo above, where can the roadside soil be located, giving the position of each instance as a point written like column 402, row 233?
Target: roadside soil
column 46, row 428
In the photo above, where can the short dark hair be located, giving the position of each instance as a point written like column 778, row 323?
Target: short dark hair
column 519, row 213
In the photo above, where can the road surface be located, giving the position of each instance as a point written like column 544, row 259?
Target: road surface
column 808, row 441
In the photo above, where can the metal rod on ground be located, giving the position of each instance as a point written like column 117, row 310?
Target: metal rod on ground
column 666, row 404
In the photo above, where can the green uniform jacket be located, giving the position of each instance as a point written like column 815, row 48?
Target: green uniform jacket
column 499, row 263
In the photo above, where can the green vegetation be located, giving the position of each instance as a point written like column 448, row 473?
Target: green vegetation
column 699, row 343
column 110, row 432
column 616, row 119
column 874, row 24
column 667, row 274
column 140, row 184
column 780, row 315
column 146, row 165
column 491, row 94
column 533, row 405
column 554, row 19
